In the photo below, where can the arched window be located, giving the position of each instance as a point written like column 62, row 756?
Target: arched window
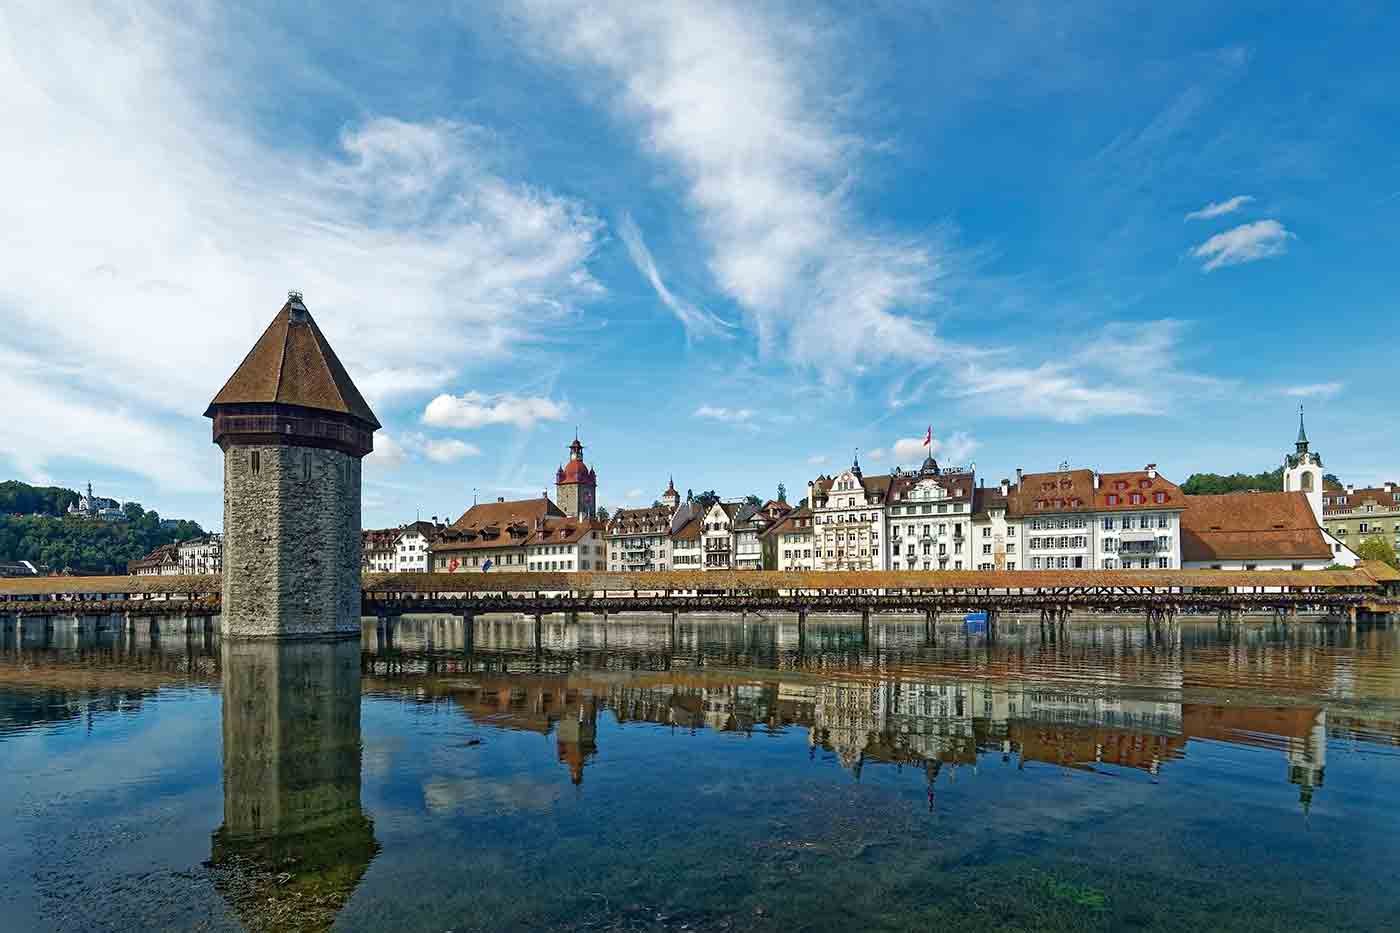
column 1307, row 481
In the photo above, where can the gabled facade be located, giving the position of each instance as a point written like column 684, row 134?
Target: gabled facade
column 929, row 514
column 717, row 535
column 787, row 543
column 413, row 547
column 639, row 540
column 848, row 520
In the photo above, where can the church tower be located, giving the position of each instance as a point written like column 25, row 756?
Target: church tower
column 293, row 429
column 576, row 486
column 671, row 498
column 1302, row 470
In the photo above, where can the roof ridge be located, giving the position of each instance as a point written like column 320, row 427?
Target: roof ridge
column 282, row 359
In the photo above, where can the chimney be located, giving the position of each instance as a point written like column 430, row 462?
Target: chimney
column 1152, row 471
column 500, row 498
column 1097, row 478
column 1350, row 489
column 972, row 467
column 1389, row 487
column 1006, row 487
column 1019, row 476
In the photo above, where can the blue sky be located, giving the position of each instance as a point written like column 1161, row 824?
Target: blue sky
column 731, row 242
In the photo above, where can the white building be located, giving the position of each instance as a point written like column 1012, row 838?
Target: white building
column 848, row 520
column 717, row 534
column 930, row 514
column 202, row 555
column 413, row 547
column 787, row 543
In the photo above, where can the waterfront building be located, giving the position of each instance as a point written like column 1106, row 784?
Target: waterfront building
column 848, row 519
column 996, row 537
column 293, row 429
column 519, row 536
column 164, row 561
column 1352, row 515
column 930, row 514
column 749, row 528
column 717, row 533
column 377, row 549
column 202, row 555
column 412, row 547
column 787, row 543
column 640, row 539
column 576, row 486
column 1077, row 519
column 1253, row 531
column 687, row 549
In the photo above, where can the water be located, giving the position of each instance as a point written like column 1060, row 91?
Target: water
column 725, row 775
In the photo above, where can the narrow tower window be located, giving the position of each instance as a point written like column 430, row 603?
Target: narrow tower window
column 306, row 466
column 255, row 461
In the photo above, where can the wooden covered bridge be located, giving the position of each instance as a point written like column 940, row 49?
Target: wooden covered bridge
column 1372, row 590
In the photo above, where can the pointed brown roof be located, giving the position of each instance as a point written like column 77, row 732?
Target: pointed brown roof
column 293, row 364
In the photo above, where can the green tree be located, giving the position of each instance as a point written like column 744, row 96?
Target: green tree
column 782, row 493
column 603, row 514
column 1378, row 548
column 753, row 500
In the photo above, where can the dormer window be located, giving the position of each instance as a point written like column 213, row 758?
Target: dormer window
column 1159, row 498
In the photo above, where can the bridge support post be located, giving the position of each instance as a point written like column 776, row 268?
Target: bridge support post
column 468, row 631
column 865, row 625
column 539, row 631
column 1351, row 617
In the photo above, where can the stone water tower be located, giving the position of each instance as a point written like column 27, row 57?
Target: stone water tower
column 293, row 429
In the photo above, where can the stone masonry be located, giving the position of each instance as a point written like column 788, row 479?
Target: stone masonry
column 291, row 542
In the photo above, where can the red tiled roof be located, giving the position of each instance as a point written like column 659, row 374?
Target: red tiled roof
column 1121, row 492
column 503, row 513
column 1341, row 502
column 1251, row 526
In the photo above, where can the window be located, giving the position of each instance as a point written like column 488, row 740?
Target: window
column 1011, row 531
column 986, row 531
column 1159, row 497
column 1163, row 563
column 1035, row 563
column 1108, row 524
column 1011, row 565
column 986, row 549
column 306, row 465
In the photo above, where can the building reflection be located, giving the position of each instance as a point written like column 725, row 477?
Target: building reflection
column 295, row 841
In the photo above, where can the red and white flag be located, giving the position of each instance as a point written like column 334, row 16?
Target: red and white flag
column 928, row 438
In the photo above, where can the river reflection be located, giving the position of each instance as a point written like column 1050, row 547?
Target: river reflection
column 714, row 773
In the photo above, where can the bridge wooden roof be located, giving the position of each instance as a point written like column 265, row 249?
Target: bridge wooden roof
column 738, row 581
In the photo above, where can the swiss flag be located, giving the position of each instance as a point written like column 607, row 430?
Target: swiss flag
column 928, row 438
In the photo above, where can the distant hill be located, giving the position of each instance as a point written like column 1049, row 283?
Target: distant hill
column 34, row 526
column 1210, row 484
column 24, row 499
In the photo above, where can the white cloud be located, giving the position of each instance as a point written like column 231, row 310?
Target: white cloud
column 697, row 321
column 475, row 410
column 388, row 452
column 955, row 450
column 818, row 460
column 1214, row 209
column 193, row 225
column 1245, row 243
column 877, row 455
column 735, row 415
column 449, row 451
column 1316, row 390
column 634, row 494
column 1052, row 391
column 739, row 99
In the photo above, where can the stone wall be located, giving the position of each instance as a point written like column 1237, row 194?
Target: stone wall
column 291, row 542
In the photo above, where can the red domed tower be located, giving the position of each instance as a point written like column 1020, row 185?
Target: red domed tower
column 576, row 486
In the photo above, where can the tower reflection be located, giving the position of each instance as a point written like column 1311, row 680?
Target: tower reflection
column 295, row 841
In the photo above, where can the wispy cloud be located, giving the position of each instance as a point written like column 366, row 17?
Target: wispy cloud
column 739, row 100
column 1245, row 243
column 955, row 449
column 697, row 321
column 449, row 450
column 476, row 409
column 403, row 237
column 733, row 415
column 1217, row 209
column 818, row 460
column 1314, row 390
